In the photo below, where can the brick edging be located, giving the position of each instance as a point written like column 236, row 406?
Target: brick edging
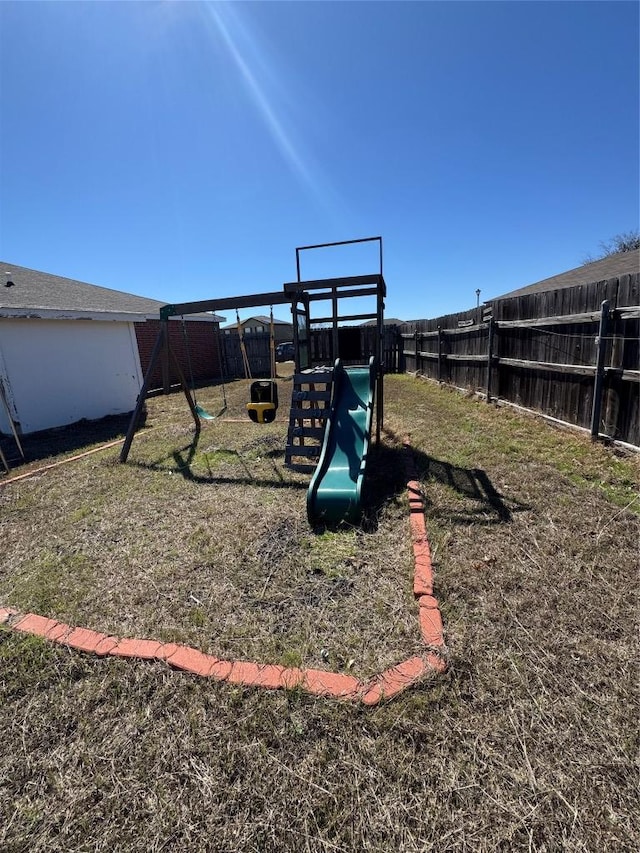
column 248, row 673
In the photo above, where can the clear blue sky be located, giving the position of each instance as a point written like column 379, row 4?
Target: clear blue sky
column 183, row 150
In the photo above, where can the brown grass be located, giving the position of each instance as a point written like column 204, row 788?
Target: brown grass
column 529, row 742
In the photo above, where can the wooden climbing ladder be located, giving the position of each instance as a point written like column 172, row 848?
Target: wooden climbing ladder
column 310, row 402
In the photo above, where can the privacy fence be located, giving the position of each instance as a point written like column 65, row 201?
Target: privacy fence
column 355, row 343
column 571, row 353
column 200, row 350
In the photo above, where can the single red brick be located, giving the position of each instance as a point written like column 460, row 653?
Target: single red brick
column 84, row 639
column 192, row 660
column 418, row 530
column 437, row 663
column 106, row 645
column 34, row 624
column 243, row 672
column 129, row 647
column 58, row 633
column 394, row 680
column 422, row 583
column 428, row 601
column 373, row 694
column 6, row 613
column 333, row 684
column 431, row 626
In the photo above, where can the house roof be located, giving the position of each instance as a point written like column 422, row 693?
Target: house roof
column 388, row 321
column 40, row 294
column 260, row 318
column 622, row 263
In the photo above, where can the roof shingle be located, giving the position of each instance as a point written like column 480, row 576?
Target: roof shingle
column 33, row 291
column 622, row 263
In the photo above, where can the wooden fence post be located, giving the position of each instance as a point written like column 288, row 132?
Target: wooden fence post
column 616, row 362
column 490, row 334
column 415, row 339
column 439, row 353
column 598, row 382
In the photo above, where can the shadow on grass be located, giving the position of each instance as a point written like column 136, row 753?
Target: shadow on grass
column 387, row 481
column 183, row 460
column 64, row 440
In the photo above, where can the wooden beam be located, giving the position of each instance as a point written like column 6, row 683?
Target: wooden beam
column 450, row 356
column 276, row 297
column 329, row 283
column 555, row 367
column 464, row 330
column 621, row 373
column 345, row 294
column 560, row 320
column 631, row 312
column 142, row 396
column 345, row 318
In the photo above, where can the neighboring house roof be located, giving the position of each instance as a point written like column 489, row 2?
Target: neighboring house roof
column 622, row 263
column 388, row 321
column 42, row 295
column 261, row 318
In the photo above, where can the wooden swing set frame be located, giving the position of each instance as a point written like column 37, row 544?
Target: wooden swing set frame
column 298, row 295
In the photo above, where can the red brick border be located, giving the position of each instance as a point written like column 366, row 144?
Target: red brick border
column 333, row 685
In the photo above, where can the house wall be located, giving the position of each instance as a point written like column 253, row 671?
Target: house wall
column 202, row 346
column 57, row 372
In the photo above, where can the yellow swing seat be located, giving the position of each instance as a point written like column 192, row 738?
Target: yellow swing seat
column 262, row 413
column 264, row 402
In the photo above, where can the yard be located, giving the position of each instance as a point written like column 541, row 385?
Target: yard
column 528, row 741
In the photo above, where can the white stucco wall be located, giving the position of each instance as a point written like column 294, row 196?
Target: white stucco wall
column 56, row 372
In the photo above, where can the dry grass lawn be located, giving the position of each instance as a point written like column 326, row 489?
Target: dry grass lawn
column 529, row 742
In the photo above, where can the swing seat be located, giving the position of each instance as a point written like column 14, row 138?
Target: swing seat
column 264, row 402
column 206, row 416
column 262, row 413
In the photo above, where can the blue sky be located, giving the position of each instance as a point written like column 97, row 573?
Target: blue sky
column 183, row 150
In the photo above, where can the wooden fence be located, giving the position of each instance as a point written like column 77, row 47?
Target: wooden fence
column 356, row 344
column 572, row 353
column 258, row 354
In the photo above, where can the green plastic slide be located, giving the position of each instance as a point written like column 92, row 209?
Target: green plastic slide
column 335, row 490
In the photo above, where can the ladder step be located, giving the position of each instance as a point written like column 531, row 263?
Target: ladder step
column 311, row 395
column 309, row 414
column 305, row 432
column 309, row 387
column 324, row 377
column 300, row 467
column 305, row 450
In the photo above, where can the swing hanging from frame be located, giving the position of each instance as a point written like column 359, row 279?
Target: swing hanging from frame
column 201, row 412
column 264, row 392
